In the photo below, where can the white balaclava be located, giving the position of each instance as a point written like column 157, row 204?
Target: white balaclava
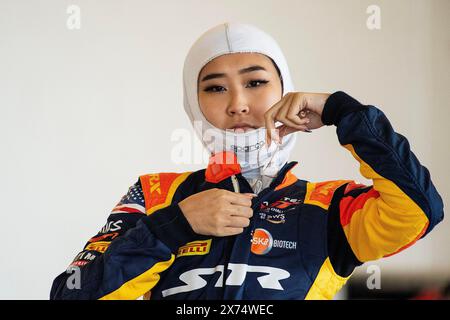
column 254, row 157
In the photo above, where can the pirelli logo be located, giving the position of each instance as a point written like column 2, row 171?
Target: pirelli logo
column 195, row 248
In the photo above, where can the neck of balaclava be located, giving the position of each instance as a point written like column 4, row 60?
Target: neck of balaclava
column 259, row 163
column 256, row 180
column 269, row 164
column 261, row 177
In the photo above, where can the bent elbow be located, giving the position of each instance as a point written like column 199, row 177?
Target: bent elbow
column 436, row 212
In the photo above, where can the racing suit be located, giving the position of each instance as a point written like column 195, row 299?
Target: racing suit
column 304, row 239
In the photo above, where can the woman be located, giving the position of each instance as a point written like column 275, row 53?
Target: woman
column 246, row 227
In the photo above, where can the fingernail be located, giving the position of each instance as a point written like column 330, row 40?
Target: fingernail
column 307, row 130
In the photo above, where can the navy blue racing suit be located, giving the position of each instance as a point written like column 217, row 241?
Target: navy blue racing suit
column 304, row 240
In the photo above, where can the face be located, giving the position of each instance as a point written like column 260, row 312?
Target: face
column 235, row 90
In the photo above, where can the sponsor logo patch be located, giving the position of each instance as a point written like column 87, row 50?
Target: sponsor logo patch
column 159, row 189
column 235, row 275
column 321, row 193
column 280, row 206
column 111, row 226
column 275, row 212
column 104, row 236
column 263, row 242
column 84, row 256
column 155, row 183
column 79, row 263
column 100, row 246
column 273, row 218
column 195, row 248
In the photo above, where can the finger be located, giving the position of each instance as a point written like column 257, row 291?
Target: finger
column 238, row 222
column 232, row 194
column 297, row 110
column 303, row 113
column 272, row 135
column 251, row 195
column 297, row 106
column 240, row 200
column 300, row 121
column 241, row 211
column 287, row 130
column 284, row 130
column 283, row 112
column 289, row 122
column 269, row 119
column 300, row 118
column 280, row 118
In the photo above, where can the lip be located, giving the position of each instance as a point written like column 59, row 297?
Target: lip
column 242, row 127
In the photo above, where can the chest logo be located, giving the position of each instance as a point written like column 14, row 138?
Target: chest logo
column 268, row 277
column 263, row 242
column 275, row 212
column 195, row 248
column 276, row 218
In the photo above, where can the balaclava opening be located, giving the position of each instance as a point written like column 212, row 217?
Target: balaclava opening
column 255, row 158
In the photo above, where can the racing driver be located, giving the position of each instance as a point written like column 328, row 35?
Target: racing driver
column 246, row 227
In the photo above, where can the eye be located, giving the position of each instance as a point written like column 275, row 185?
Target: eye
column 257, row 83
column 251, row 84
column 214, row 89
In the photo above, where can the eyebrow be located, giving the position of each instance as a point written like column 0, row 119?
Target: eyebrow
column 242, row 71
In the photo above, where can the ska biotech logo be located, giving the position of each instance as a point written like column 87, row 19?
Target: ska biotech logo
column 263, row 242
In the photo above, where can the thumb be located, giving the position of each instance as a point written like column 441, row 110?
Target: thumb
column 285, row 130
column 251, row 195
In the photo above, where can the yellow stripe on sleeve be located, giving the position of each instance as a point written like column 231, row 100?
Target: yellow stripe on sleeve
column 143, row 283
column 326, row 284
column 384, row 224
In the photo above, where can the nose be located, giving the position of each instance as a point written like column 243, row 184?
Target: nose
column 237, row 105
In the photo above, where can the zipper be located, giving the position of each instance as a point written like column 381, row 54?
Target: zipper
column 260, row 196
column 258, row 186
column 235, row 182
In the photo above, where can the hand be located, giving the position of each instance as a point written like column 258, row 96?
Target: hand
column 297, row 111
column 218, row 212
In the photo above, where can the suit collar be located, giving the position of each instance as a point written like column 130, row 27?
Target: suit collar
column 223, row 165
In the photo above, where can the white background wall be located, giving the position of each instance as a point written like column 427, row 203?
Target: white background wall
column 84, row 112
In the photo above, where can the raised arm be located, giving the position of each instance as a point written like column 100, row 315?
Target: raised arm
column 400, row 207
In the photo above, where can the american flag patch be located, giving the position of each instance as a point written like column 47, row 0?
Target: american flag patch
column 132, row 202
